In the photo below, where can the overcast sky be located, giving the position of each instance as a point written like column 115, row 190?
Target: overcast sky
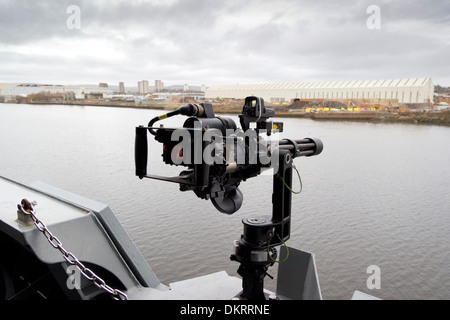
column 222, row 41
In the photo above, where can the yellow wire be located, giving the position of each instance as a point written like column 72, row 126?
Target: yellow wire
column 286, row 185
column 287, row 251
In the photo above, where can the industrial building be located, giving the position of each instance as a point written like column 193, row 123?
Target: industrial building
column 143, row 87
column 121, row 87
column 159, row 86
column 24, row 89
column 402, row 91
column 442, row 98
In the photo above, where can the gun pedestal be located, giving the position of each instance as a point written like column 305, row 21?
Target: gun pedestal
column 256, row 251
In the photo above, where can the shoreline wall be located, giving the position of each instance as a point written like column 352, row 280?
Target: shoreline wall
column 430, row 117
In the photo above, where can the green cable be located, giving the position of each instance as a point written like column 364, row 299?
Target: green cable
column 286, row 185
column 299, row 178
column 287, row 251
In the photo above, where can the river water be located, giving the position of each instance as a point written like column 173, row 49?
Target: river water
column 379, row 194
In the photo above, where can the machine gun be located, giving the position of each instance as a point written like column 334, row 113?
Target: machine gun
column 218, row 156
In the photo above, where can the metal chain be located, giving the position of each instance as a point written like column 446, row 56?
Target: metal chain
column 27, row 208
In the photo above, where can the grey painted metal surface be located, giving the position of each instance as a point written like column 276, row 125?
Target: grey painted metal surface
column 297, row 276
column 215, row 286
column 114, row 229
column 358, row 295
column 90, row 231
column 65, row 221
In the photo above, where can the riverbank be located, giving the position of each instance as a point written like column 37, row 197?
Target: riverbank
column 441, row 118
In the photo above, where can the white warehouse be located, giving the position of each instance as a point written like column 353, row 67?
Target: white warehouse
column 413, row 90
column 20, row 89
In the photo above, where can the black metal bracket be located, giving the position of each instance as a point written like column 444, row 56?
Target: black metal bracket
column 261, row 234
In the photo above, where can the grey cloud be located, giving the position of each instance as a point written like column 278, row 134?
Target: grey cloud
column 300, row 40
column 23, row 21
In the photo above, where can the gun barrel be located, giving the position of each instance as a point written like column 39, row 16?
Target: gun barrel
column 307, row 147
